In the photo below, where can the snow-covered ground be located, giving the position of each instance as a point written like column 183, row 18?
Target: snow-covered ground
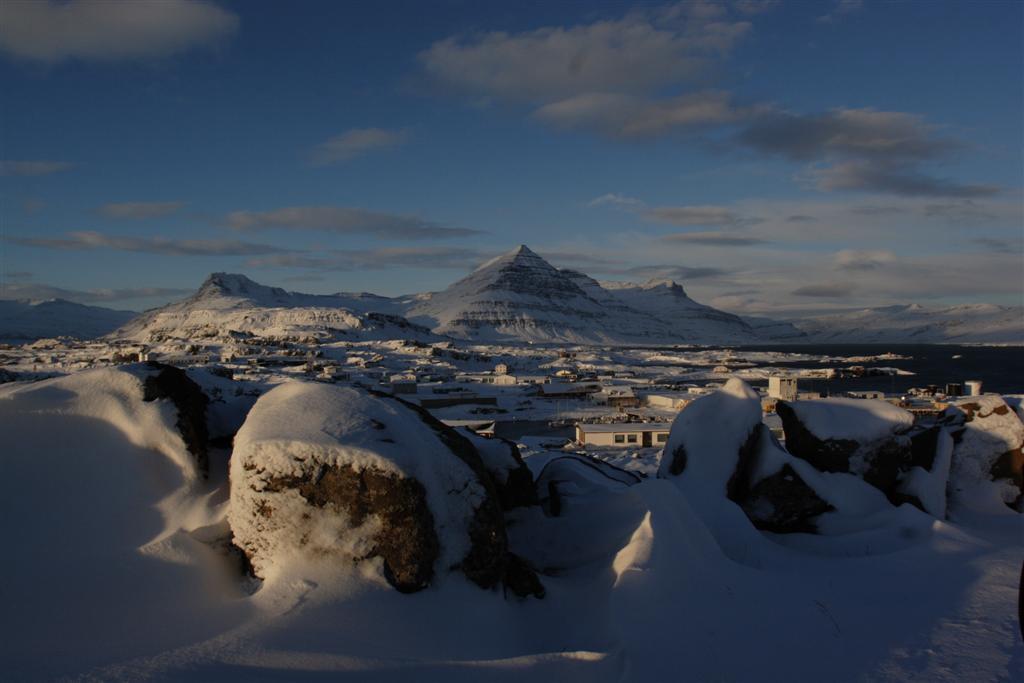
column 119, row 567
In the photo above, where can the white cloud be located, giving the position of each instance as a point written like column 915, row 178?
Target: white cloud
column 102, row 30
column 356, row 142
column 606, row 75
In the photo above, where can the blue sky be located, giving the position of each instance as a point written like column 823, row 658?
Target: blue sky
column 775, row 157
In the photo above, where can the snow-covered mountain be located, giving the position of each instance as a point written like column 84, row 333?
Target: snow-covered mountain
column 22, row 320
column 228, row 303
column 667, row 300
column 971, row 323
column 520, row 296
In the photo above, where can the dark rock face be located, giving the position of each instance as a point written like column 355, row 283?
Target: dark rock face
column 512, row 478
column 882, row 463
column 783, row 503
column 830, row 455
column 407, row 541
column 172, row 383
column 738, row 487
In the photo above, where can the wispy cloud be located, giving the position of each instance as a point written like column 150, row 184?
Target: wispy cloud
column 826, row 290
column 139, row 210
column 87, row 240
column 378, row 259
column 100, row 30
column 841, row 9
column 33, row 168
column 355, row 143
column 630, row 116
column 345, row 221
column 861, row 149
column 698, row 215
column 713, row 239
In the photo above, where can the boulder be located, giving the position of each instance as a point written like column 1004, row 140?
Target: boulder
column 569, row 475
column 162, row 381
column 865, row 437
column 988, row 451
column 343, row 477
column 783, row 503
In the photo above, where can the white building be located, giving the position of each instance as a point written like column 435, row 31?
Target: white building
column 782, row 387
column 624, row 435
column 501, row 369
column 973, row 387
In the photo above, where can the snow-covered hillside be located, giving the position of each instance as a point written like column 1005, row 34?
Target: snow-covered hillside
column 30, row 320
column 667, row 300
column 521, row 296
column 969, row 323
column 228, row 303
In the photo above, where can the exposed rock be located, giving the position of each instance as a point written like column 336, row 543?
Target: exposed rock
column 868, row 438
column 784, row 503
column 173, row 383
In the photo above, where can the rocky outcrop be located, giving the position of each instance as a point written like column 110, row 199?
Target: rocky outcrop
column 343, row 476
column 989, row 448
column 871, row 439
column 168, row 382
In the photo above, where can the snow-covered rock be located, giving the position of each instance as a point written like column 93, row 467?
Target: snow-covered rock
column 988, row 465
column 339, row 476
column 566, row 477
column 512, row 478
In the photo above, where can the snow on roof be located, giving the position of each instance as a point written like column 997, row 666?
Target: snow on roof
column 624, row 427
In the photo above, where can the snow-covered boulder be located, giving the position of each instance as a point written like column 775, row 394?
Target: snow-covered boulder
column 713, row 441
column 862, row 436
column 988, row 455
column 505, row 464
column 326, row 476
column 566, row 476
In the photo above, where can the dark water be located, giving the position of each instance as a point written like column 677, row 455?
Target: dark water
column 1000, row 368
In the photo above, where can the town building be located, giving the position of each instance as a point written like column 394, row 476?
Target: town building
column 623, row 435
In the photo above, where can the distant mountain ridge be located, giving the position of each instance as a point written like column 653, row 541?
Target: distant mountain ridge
column 515, row 297
column 22, row 319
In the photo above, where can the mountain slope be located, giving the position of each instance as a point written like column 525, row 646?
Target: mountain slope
column 29, row 320
column 970, row 323
column 228, row 303
column 520, row 296
column 687, row 320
